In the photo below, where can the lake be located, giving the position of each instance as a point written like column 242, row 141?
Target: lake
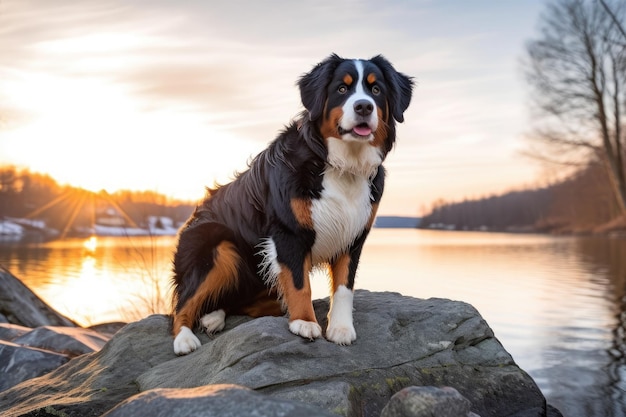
column 557, row 304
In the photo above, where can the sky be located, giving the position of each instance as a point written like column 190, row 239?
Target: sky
column 173, row 96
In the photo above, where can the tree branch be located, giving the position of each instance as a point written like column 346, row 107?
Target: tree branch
column 614, row 18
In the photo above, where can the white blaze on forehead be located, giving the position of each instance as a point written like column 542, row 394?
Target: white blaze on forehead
column 359, row 70
column 350, row 118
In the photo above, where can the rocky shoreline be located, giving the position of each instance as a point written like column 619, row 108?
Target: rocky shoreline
column 413, row 357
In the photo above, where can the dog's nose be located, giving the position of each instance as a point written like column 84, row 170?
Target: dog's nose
column 363, row 107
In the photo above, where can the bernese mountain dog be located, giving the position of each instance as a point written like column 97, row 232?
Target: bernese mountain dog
column 307, row 200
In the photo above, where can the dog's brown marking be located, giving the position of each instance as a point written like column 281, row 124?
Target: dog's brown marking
column 301, row 208
column 222, row 277
column 380, row 135
column 371, row 78
column 339, row 272
column 298, row 300
column 329, row 125
column 347, row 79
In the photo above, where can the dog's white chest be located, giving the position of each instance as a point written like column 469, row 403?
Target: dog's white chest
column 340, row 214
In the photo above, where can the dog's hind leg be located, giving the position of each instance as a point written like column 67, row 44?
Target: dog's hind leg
column 214, row 321
column 221, row 278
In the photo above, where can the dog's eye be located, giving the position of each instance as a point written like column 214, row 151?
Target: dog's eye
column 342, row 89
column 375, row 90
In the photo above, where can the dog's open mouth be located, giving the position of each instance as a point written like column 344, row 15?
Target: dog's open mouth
column 361, row 130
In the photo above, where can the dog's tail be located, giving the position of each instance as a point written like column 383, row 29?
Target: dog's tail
column 206, row 269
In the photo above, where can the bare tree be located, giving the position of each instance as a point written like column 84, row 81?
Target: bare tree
column 577, row 72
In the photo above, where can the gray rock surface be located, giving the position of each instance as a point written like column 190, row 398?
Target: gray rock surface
column 19, row 305
column 72, row 341
column 212, row 401
column 18, row 364
column 28, row 353
column 107, row 329
column 402, row 342
column 8, row 331
column 93, row 383
column 428, row 402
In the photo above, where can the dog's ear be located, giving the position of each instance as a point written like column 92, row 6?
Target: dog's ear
column 400, row 87
column 313, row 85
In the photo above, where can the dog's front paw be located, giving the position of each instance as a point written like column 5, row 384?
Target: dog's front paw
column 342, row 335
column 185, row 341
column 307, row 329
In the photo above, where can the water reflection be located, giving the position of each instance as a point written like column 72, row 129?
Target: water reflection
column 96, row 280
column 606, row 260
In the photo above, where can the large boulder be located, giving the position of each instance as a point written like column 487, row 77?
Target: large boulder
column 90, row 384
column 19, row 305
column 72, row 341
column 402, row 342
column 18, row 363
column 9, row 332
column 28, row 353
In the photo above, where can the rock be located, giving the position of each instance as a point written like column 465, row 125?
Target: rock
column 93, row 383
column 108, row 329
column 428, row 402
column 72, row 341
column 19, row 305
column 10, row 331
column 402, row 342
column 27, row 353
column 212, row 401
column 18, row 364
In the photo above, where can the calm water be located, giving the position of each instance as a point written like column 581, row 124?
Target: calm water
column 556, row 303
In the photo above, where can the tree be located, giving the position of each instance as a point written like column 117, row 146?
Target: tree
column 577, row 73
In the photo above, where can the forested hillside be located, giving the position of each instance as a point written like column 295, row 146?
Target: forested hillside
column 28, row 195
column 581, row 203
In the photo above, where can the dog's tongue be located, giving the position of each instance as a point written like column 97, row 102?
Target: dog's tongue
column 362, row 130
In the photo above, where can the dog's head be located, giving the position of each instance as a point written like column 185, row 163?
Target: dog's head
column 356, row 100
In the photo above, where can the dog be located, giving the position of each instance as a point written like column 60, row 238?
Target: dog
column 309, row 199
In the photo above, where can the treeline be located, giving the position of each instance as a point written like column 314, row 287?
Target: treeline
column 29, row 195
column 581, row 203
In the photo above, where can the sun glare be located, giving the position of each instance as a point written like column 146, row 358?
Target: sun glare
column 86, row 120
column 90, row 245
column 97, row 135
column 92, row 280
